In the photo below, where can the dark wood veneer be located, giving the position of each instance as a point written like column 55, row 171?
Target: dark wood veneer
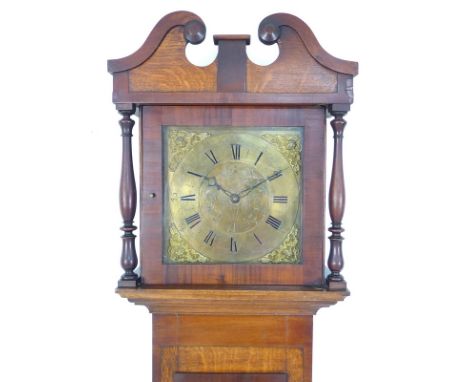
column 232, row 58
column 128, row 200
column 336, row 202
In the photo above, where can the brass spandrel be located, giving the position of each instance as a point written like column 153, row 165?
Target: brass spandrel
column 288, row 253
column 179, row 251
column 290, row 146
column 180, row 142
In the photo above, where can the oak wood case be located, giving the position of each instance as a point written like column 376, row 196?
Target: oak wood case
column 237, row 322
column 217, row 345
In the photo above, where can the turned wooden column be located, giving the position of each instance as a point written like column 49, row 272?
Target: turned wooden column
column 336, row 201
column 128, row 200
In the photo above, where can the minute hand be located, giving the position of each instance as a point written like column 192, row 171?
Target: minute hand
column 275, row 175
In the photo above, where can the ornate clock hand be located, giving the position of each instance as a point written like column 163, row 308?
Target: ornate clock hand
column 251, row 188
column 212, row 182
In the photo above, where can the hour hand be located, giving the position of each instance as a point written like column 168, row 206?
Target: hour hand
column 213, row 183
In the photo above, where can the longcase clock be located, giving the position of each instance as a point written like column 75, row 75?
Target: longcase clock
column 232, row 198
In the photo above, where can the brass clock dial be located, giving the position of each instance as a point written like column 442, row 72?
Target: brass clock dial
column 232, row 194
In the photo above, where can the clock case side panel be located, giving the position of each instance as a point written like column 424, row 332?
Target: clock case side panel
column 155, row 272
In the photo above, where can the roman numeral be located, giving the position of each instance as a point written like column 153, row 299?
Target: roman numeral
column 236, row 150
column 233, row 245
column 188, row 198
column 280, row 199
column 195, row 174
column 275, row 175
column 258, row 158
column 209, row 238
column 257, row 238
column 275, row 223
column 193, row 220
column 211, row 156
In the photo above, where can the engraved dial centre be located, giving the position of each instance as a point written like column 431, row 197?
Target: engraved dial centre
column 231, row 210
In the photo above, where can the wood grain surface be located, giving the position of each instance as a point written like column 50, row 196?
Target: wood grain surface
column 230, row 377
column 168, row 69
column 160, row 73
column 232, row 322
column 294, row 71
column 221, row 344
column 195, row 33
column 234, row 302
column 155, row 272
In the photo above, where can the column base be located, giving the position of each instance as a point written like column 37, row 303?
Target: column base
column 132, row 283
column 336, row 285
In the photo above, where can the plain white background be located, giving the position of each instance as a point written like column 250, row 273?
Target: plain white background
column 405, row 163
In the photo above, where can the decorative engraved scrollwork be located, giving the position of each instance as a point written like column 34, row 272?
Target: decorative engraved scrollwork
column 290, row 146
column 180, row 142
column 288, row 253
column 179, row 251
